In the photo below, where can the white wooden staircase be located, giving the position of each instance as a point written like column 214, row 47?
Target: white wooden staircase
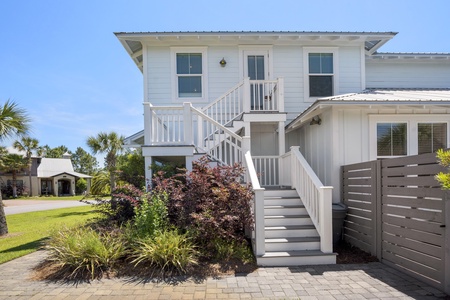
column 291, row 238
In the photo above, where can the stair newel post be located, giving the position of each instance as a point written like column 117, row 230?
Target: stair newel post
column 326, row 219
column 245, row 146
column 187, row 117
column 246, row 95
column 294, row 178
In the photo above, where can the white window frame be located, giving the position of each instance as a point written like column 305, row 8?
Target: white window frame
column 204, row 76
column 412, row 122
column 306, row 74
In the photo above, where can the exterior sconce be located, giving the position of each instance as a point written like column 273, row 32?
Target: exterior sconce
column 316, row 120
column 223, row 62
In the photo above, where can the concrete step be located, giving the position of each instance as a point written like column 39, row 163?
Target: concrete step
column 287, row 220
column 290, row 231
column 292, row 244
column 284, row 210
column 295, row 258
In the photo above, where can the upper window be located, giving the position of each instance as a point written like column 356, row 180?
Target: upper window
column 320, row 72
column 431, row 137
column 189, row 75
column 391, row 139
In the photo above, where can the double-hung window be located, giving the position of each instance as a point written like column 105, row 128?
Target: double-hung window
column 320, row 72
column 189, row 72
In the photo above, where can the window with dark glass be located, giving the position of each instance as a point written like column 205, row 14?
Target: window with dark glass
column 189, row 74
column 431, row 137
column 391, row 139
column 320, row 74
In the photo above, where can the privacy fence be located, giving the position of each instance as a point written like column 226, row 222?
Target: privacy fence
column 399, row 213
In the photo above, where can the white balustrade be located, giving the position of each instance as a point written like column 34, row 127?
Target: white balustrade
column 267, row 168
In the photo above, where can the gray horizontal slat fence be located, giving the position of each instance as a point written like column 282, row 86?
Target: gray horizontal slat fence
column 359, row 193
column 398, row 212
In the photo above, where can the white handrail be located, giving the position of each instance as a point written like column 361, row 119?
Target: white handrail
column 315, row 196
column 227, row 107
column 258, row 206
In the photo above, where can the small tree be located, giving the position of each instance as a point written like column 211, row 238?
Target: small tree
column 13, row 121
column 28, row 145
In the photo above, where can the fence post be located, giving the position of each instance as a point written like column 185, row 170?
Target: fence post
column 378, row 213
column 446, row 206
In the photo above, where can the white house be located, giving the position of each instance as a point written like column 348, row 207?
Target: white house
column 293, row 107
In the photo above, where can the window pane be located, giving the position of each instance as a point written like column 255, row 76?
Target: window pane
column 327, row 63
column 190, row 86
column 431, row 137
column 255, row 67
column 182, row 63
column 189, row 63
column 391, row 139
column 314, row 63
column 320, row 86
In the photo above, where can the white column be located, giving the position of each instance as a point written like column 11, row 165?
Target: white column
column 147, row 124
column 148, row 172
column 187, row 120
column 246, row 101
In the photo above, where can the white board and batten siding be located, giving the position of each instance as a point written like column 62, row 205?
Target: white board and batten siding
column 395, row 74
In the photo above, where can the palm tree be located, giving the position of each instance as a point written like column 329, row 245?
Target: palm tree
column 28, row 145
column 13, row 121
column 110, row 144
column 13, row 163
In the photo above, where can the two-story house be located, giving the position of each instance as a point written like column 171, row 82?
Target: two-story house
column 292, row 107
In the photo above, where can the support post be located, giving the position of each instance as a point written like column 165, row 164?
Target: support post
column 246, row 94
column 259, row 222
column 280, row 94
column 148, row 172
column 187, row 119
column 148, row 123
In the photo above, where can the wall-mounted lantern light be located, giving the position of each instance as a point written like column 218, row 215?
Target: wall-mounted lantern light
column 315, row 120
column 223, row 62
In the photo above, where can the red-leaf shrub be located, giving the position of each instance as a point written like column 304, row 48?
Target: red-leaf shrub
column 209, row 201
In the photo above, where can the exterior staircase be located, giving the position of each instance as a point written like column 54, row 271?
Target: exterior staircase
column 291, row 239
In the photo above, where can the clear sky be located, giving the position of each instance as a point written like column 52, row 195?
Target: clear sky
column 61, row 61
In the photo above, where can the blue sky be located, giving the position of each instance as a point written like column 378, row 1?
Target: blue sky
column 61, row 61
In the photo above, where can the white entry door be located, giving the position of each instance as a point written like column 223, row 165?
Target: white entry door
column 256, row 67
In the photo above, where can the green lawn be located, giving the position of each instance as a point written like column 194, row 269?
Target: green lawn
column 27, row 231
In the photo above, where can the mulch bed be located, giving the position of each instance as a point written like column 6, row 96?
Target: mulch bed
column 347, row 254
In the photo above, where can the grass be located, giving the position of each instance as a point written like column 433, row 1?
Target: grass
column 28, row 230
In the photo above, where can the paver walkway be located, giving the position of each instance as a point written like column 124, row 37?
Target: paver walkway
column 362, row 281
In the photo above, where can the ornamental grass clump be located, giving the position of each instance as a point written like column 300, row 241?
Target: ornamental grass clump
column 84, row 250
column 168, row 251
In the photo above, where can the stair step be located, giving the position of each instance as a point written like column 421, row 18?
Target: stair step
column 295, row 258
column 280, row 193
column 287, row 220
column 290, row 231
column 292, row 244
column 269, row 201
column 284, row 210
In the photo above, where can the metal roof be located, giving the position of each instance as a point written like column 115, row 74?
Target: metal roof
column 379, row 96
column 50, row 167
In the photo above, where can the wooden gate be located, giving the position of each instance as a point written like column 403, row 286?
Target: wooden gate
column 398, row 212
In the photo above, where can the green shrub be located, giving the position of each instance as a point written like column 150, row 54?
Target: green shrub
column 151, row 216
column 168, row 251
column 120, row 209
column 83, row 249
column 211, row 202
column 226, row 250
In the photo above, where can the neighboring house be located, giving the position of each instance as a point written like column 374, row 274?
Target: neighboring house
column 50, row 176
column 293, row 105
